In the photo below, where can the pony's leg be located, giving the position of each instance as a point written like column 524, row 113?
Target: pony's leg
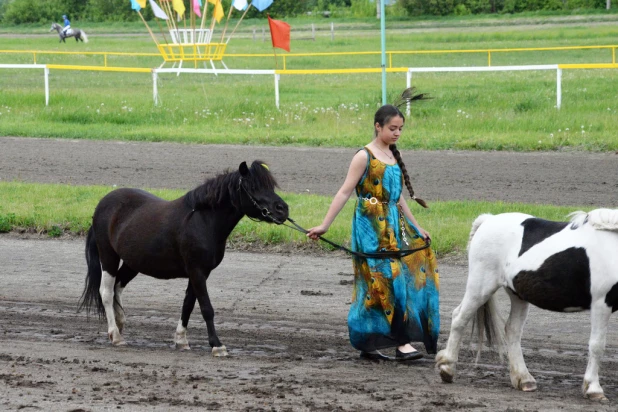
column 107, row 297
column 520, row 377
column 180, row 337
column 208, row 313
column 599, row 318
column 124, row 276
column 477, row 294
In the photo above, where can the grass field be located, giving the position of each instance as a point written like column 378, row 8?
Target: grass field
column 480, row 111
column 60, row 209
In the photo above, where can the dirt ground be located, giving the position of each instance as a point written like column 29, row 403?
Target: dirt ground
column 281, row 316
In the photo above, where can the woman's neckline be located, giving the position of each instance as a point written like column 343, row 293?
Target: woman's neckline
column 380, row 160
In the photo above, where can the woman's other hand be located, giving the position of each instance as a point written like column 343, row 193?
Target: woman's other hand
column 315, row 232
column 424, row 233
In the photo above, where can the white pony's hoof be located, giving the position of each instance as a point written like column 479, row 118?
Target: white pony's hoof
column 120, row 342
column 527, row 386
column 446, row 374
column 597, row 397
column 218, row 351
column 182, row 346
column 116, row 339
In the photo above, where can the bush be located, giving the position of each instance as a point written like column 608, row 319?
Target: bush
column 27, row 11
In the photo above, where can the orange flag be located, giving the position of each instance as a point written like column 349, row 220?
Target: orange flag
column 280, row 33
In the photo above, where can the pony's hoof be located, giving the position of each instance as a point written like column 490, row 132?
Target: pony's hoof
column 183, row 346
column 527, row 386
column 121, row 342
column 597, row 397
column 218, row 351
column 445, row 374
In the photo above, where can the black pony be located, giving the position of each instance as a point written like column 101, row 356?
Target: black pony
column 135, row 232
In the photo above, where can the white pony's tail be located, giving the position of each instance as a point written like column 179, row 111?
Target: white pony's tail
column 84, row 37
column 477, row 223
column 600, row 219
column 489, row 324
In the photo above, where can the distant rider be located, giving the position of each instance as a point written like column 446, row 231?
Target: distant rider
column 67, row 24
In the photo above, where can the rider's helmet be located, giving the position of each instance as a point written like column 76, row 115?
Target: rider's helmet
column 64, row 16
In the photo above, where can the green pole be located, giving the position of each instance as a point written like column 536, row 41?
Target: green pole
column 383, row 35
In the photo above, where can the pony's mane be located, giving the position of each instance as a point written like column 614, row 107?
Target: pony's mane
column 224, row 187
column 601, row 219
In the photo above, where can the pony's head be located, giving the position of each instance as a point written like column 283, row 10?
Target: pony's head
column 258, row 199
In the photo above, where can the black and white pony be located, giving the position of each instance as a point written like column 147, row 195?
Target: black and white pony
column 77, row 33
column 558, row 266
column 135, row 232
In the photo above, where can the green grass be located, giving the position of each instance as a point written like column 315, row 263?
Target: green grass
column 58, row 209
column 478, row 111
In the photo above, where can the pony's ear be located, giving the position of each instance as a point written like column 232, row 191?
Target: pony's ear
column 243, row 169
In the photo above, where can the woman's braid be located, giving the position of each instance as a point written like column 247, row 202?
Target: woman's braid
column 406, row 177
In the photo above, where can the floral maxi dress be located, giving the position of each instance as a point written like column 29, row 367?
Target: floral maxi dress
column 395, row 300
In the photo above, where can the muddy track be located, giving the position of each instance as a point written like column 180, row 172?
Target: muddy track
column 282, row 317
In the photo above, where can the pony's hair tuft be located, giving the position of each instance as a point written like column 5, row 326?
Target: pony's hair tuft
column 600, row 219
column 409, row 95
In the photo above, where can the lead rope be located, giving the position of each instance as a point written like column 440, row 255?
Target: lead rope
column 374, row 255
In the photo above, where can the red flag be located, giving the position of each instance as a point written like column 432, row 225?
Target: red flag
column 280, row 33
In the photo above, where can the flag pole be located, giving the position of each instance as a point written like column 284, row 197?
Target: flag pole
column 161, row 29
column 242, row 17
column 275, row 51
column 148, row 27
column 229, row 14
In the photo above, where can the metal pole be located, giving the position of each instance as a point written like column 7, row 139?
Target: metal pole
column 383, row 42
column 277, row 90
column 558, row 88
column 46, row 71
column 408, row 85
column 155, row 92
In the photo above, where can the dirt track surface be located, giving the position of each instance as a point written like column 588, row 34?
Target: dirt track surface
column 282, row 317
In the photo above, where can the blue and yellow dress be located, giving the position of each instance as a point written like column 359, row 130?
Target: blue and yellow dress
column 395, row 300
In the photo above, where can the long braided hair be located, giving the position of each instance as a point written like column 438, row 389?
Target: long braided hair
column 384, row 115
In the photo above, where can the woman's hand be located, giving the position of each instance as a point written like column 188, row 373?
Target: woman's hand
column 424, row 233
column 315, row 232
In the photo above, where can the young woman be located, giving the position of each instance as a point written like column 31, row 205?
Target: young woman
column 395, row 300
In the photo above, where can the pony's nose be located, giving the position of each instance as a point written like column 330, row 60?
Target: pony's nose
column 281, row 207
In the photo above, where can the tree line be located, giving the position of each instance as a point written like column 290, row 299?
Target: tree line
column 28, row 11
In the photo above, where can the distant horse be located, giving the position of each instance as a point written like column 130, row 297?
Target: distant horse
column 135, row 232
column 77, row 33
column 558, row 266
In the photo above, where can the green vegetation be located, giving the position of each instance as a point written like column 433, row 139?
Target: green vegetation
column 57, row 209
column 479, row 111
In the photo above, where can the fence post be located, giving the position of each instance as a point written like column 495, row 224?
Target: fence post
column 332, row 31
column 46, row 71
column 488, row 58
column 614, row 55
column 34, row 56
column 253, row 34
column 408, row 85
column 277, row 90
column 558, row 87
column 313, row 31
column 263, row 34
column 155, row 92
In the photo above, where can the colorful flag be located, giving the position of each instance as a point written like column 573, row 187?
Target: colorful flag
column 142, row 3
column 261, row 5
column 135, row 5
column 157, row 10
column 239, row 4
column 279, row 33
column 218, row 11
column 213, row 1
column 179, row 7
column 197, row 4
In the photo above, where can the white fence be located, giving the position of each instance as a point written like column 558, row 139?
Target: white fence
column 277, row 74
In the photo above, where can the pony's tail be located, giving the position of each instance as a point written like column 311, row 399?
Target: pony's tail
column 475, row 226
column 488, row 324
column 91, row 296
column 84, row 37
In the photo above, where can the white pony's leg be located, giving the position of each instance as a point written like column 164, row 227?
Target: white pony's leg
column 180, row 337
column 476, row 296
column 599, row 318
column 520, row 377
column 118, row 308
column 107, row 296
